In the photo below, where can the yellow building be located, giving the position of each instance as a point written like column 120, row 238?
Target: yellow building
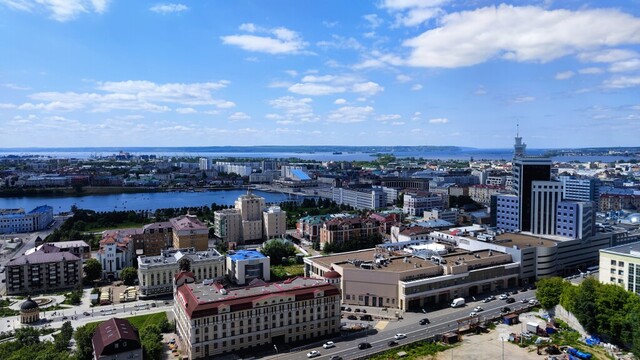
column 189, row 232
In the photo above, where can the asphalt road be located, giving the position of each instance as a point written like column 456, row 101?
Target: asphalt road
column 442, row 321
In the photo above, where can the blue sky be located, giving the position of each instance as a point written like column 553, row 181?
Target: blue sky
column 79, row 73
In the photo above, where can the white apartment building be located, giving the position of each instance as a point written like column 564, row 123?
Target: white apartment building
column 243, row 266
column 620, row 265
column 415, row 204
column 155, row 273
column 227, row 225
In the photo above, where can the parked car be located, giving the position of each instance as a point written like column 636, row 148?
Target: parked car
column 328, row 345
column 313, row 353
column 335, row 357
column 364, row 311
column 348, row 309
column 506, row 309
column 524, row 300
column 473, row 313
column 364, row 345
column 503, row 296
column 392, row 343
column 514, row 292
column 399, row 336
column 533, row 302
column 478, row 309
column 352, row 317
column 424, row 321
column 357, row 310
column 510, row 300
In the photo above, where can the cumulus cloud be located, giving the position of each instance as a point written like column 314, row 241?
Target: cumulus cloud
column 318, row 85
column 15, row 87
column 168, row 8
column 480, row 91
column 59, row 10
column 520, row 34
column 337, row 102
column 403, row 78
column 522, row 99
column 416, row 87
column 186, row 110
column 388, row 117
column 316, row 89
column 367, row 88
column 276, row 41
column 237, row 116
column 350, row 114
column 625, row 65
column 413, row 12
column 293, row 110
column 438, row 121
column 138, row 95
column 564, row 75
column 591, row 71
column 340, row 42
column 622, row 82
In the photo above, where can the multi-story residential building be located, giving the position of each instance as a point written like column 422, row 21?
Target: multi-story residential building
column 620, row 265
column 411, row 184
column 371, row 198
column 18, row 221
column 44, row 271
column 116, row 253
column 614, row 202
column 414, row 282
column 78, row 248
column 339, row 230
column 153, row 239
column 387, row 219
column 244, row 266
column 525, row 171
column 545, row 198
column 155, row 273
column 308, row 227
column 482, row 193
column 189, row 232
column 211, row 320
column 204, row 164
column 450, row 215
column 274, row 222
column 409, row 233
column 227, row 225
column 576, row 219
column 416, row 203
column 251, row 206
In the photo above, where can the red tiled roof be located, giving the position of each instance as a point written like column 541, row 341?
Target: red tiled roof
column 111, row 331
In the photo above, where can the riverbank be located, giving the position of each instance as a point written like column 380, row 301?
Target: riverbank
column 98, row 190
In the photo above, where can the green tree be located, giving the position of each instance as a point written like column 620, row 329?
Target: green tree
column 62, row 339
column 28, row 336
column 549, row 290
column 585, row 308
column 184, row 264
column 151, row 339
column 92, row 270
column 277, row 249
column 83, row 336
column 129, row 275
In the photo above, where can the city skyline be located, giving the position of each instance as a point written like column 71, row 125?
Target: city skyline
column 104, row 73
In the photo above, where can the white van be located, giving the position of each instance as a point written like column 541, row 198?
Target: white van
column 457, row 302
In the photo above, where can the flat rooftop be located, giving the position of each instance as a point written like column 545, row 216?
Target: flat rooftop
column 246, row 255
column 397, row 265
column 632, row 249
column 523, row 240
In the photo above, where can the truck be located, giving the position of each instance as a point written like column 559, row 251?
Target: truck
column 457, row 302
column 532, row 327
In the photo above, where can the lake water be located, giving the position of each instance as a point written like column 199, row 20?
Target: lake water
column 141, row 201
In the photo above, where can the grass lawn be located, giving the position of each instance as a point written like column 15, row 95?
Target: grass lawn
column 414, row 351
column 141, row 321
column 280, row 272
column 115, row 227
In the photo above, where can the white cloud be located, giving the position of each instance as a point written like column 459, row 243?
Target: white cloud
column 291, row 73
column 519, row 34
column 340, row 42
column 416, row 87
column 59, row 10
column 388, row 117
column 237, row 116
column 134, row 95
column 337, row 102
column 186, row 110
column 350, row 114
column 397, row 123
column 374, row 20
column 7, row 106
column 523, row 99
column 438, row 121
column 16, row 87
column 368, row 88
column 607, row 55
column 480, row 91
column 622, row 82
column 564, row 75
column 279, row 40
column 625, row 66
column 51, row 106
column 293, row 110
column 591, row 71
column 168, row 8
column 413, row 12
column 403, row 78
column 314, row 78
column 315, row 89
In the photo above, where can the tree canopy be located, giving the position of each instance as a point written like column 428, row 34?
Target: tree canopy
column 92, row 269
column 277, row 249
column 129, row 275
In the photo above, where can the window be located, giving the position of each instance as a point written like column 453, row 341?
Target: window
column 620, row 263
column 613, row 262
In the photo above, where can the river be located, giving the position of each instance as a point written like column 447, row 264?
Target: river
column 139, row 201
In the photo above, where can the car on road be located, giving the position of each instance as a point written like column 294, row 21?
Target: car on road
column 489, row 298
column 503, row 296
column 399, row 336
column 510, row 300
column 352, row 317
column 533, row 302
column 478, row 309
column 313, row 353
column 392, row 343
column 166, row 302
column 328, row 345
column 64, row 318
column 335, row 357
column 505, row 309
column 364, row 345
column 86, row 313
column 473, row 313
column 524, row 300
column 424, row 321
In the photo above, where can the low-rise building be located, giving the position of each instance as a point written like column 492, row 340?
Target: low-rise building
column 620, row 265
column 338, row 230
column 380, row 278
column 44, row 271
column 18, row 221
column 155, row 273
column 154, row 238
column 244, row 266
column 416, row 203
column 211, row 320
column 78, row 248
column 116, row 253
column 116, row 339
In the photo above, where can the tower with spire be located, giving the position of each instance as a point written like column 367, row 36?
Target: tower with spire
column 519, row 147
